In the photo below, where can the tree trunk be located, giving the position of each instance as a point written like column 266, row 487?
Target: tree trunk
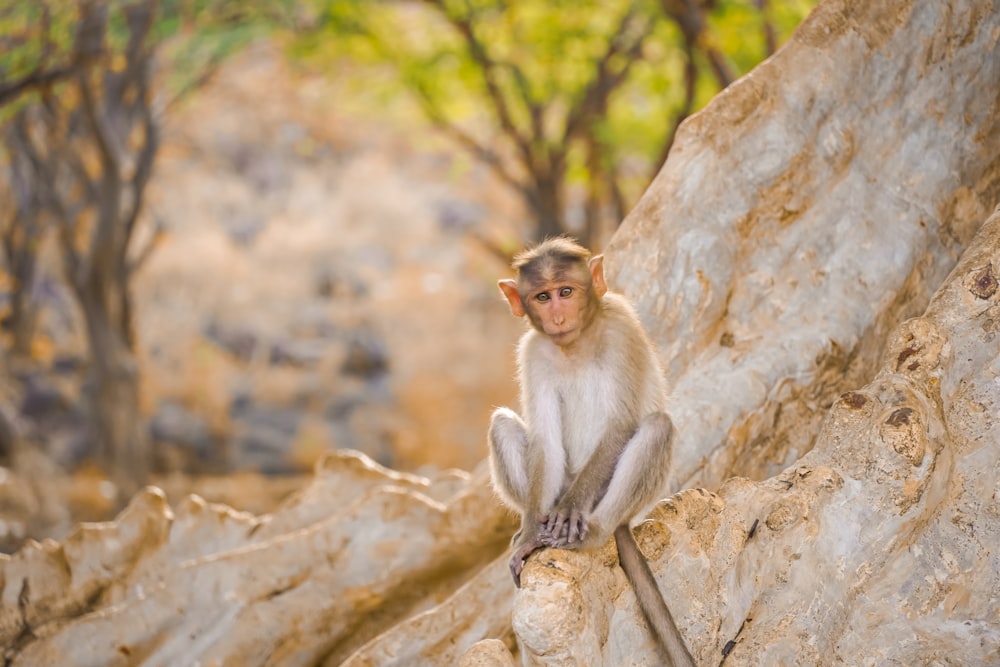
column 23, row 236
column 546, row 202
column 102, row 286
column 22, row 315
column 122, row 444
column 8, row 435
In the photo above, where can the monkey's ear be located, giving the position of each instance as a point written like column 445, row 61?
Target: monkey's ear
column 509, row 289
column 596, row 265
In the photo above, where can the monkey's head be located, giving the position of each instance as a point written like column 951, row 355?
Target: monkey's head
column 559, row 287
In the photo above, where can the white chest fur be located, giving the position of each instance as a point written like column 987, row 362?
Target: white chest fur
column 588, row 399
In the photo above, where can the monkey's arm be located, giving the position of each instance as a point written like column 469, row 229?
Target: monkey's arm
column 545, row 465
column 545, row 456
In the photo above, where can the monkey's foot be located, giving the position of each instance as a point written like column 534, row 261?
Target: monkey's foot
column 520, row 556
column 555, row 542
column 564, row 528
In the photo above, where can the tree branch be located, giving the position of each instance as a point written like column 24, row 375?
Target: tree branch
column 489, row 68
column 689, row 15
column 690, row 89
column 45, row 177
column 594, row 100
column 770, row 34
column 159, row 231
column 36, row 79
column 206, row 75
column 140, row 20
column 535, row 111
column 464, row 139
column 498, row 250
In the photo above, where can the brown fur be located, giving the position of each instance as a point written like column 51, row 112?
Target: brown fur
column 591, row 448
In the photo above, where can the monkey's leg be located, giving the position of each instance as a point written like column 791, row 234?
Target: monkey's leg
column 508, row 440
column 640, row 475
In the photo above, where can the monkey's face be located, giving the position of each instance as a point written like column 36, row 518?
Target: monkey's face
column 559, row 298
column 560, row 308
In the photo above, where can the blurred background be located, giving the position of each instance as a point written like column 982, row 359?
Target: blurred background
column 236, row 235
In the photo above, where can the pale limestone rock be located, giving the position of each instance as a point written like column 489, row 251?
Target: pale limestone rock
column 213, row 585
column 487, row 653
column 877, row 547
column 46, row 583
column 441, row 635
column 810, row 208
column 805, row 214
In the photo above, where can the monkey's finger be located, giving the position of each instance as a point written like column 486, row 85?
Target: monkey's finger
column 564, row 523
column 573, row 529
column 558, row 529
column 578, row 524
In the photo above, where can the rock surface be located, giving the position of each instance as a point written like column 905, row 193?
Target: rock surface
column 814, row 263
column 876, row 547
column 807, row 211
column 356, row 549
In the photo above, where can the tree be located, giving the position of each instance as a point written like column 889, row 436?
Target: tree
column 85, row 153
column 80, row 133
column 573, row 105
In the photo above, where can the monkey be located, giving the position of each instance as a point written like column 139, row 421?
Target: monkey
column 591, row 448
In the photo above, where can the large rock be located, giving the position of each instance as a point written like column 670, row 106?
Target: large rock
column 841, row 419
column 876, row 547
column 809, row 209
column 360, row 548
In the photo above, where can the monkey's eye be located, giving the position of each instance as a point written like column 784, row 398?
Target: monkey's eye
column 565, row 292
column 542, row 296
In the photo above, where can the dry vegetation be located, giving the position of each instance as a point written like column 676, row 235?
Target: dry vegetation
column 304, row 250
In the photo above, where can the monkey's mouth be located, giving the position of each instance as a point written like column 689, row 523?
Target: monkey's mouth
column 561, row 337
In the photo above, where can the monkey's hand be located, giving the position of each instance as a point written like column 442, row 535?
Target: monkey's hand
column 565, row 526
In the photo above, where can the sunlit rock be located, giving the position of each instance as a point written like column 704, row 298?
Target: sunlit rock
column 807, row 211
column 876, row 547
column 446, row 633
column 207, row 583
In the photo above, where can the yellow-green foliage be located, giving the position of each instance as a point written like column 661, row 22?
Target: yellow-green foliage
column 546, row 55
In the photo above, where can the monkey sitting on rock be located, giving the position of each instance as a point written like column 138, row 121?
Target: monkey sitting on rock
column 591, row 447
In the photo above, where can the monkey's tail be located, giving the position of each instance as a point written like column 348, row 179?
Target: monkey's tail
column 650, row 599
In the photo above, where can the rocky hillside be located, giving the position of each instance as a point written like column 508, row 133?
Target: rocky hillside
column 818, row 262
